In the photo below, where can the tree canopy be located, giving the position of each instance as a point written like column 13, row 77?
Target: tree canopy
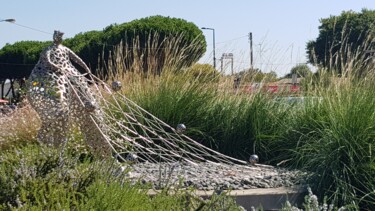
column 256, row 75
column 343, row 34
column 145, row 38
column 154, row 39
column 302, row 70
column 17, row 60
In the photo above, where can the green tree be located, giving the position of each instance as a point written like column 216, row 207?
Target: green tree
column 17, row 60
column 88, row 46
column 342, row 35
column 256, row 75
column 155, row 39
column 302, row 70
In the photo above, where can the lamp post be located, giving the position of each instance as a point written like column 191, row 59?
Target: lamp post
column 11, row 20
column 213, row 38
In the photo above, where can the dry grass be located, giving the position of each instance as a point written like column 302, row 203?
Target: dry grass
column 19, row 126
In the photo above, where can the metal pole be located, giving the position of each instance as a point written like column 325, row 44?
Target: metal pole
column 2, row 89
column 251, row 49
column 232, row 64
column 221, row 66
column 213, row 44
column 213, row 33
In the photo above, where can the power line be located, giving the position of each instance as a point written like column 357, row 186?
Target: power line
column 265, row 63
column 34, row 29
column 237, row 38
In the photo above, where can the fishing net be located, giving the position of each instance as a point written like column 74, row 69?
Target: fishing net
column 135, row 134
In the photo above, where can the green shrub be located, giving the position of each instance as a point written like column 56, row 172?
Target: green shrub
column 334, row 140
column 40, row 176
column 34, row 177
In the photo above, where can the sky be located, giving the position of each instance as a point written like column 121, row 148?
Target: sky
column 280, row 29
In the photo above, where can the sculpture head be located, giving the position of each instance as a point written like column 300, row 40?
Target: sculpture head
column 57, row 37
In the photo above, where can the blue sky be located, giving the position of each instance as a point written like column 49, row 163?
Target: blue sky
column 280, row 28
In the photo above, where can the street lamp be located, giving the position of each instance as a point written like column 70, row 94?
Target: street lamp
column 11, row 20
column 213, row 37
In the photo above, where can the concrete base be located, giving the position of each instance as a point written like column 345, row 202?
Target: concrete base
column 265, row 198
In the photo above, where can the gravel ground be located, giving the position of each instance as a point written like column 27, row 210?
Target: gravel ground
column 211, row 176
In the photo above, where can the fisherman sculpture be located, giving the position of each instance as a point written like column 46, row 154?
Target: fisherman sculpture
column 62, row 97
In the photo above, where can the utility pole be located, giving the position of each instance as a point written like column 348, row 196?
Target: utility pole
column 221, row 65
column 232, row 64
column 251, row 49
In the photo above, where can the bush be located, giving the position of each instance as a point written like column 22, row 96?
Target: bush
column 156, row 42
column 35, row 177
column 39, row 176
column 333, row 139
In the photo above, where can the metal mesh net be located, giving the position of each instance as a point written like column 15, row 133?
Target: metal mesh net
column 134, row 133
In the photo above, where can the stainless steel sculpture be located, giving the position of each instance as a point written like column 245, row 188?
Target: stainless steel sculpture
column 111, row 123
column 61, row 96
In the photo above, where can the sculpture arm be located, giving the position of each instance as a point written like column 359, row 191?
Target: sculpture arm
column 48, row 57
column 78, row 60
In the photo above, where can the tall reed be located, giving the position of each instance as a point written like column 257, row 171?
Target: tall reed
column 216, row 115
column 333, row 135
